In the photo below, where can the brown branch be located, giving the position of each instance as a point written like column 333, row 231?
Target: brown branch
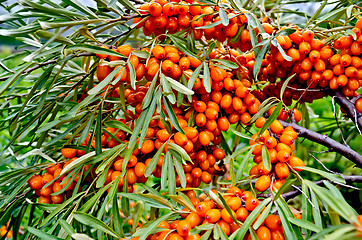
column 326, row 141
column 350, row 109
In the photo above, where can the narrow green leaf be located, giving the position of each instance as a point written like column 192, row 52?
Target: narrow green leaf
column 41, row 234
column 262, row 216
column 285, row 186
column 284, row 213
column 137, row 214
column 331, row 176
column 271, row 118
column 266, row 158
column 305, row 224
column 172, row 115
column 153, row 163
column 223, row 16
column 180, row 172
column 95, row 49
column 259, row 59
column 94, row 223
column 284, row 86
column 181, row 46
column 171, row 174
column 132, row 74
column 226, row 63
column 180, row 87
column 164, row 172
column 207, row 79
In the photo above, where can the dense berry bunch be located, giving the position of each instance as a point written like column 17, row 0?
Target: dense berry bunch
column 240, row 203
column 51, row 186
column 279, row 143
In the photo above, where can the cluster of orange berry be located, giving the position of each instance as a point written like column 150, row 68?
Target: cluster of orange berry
column 49, row 183
column 197, row 18
column 279, row 143
column 5, row 231
column 241, row 204
column 337, row 65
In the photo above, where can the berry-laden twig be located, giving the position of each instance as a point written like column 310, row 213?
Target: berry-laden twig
column 350, row 109
column 327, row 141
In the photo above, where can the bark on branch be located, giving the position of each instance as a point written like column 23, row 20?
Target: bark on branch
column 328, row 142
column 350, row 109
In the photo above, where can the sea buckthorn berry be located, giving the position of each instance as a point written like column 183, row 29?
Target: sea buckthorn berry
column 183, row 228
column 167, row 66
column 283, row 156
column 251, row 203
column 263, row 233
column 69, row 152
column 273, row 222
column 358, row 105
column 234, row 203
column 241, row 214
column 200, row 119
column 223, row 124
column 287, row 139
column 202, row 208
column 180, row 139
column 270, row 142
column 158, row 52
column 276, row 127
column 296, row 162
column 217, row 74
column 193, row 219
column 211, row 113
column 200, row 106
column 263, row 183
column 282, row 170
column 184, row 63
column 345, row 60
column 308, row 36
column 259, row 123
column 155, row 9
column 226, row 216
column 304, row 48
column 213, row 215
column 36, row 182
column 169, row 9
column 147, row 146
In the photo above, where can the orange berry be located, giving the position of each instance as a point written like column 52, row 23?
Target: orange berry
column 213, row 215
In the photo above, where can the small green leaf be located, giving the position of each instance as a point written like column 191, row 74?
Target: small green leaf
column 271, row 118
column 153, row 163
column 181, row 46
column 305, row 224
column 331, row 176
column 207, row 79
column 95, row 223
column 180, row 87
column 226, row 63
column 266, row 158
column 132, row 74
column 223, row 16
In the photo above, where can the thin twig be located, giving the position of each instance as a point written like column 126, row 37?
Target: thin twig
column 350, row 109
